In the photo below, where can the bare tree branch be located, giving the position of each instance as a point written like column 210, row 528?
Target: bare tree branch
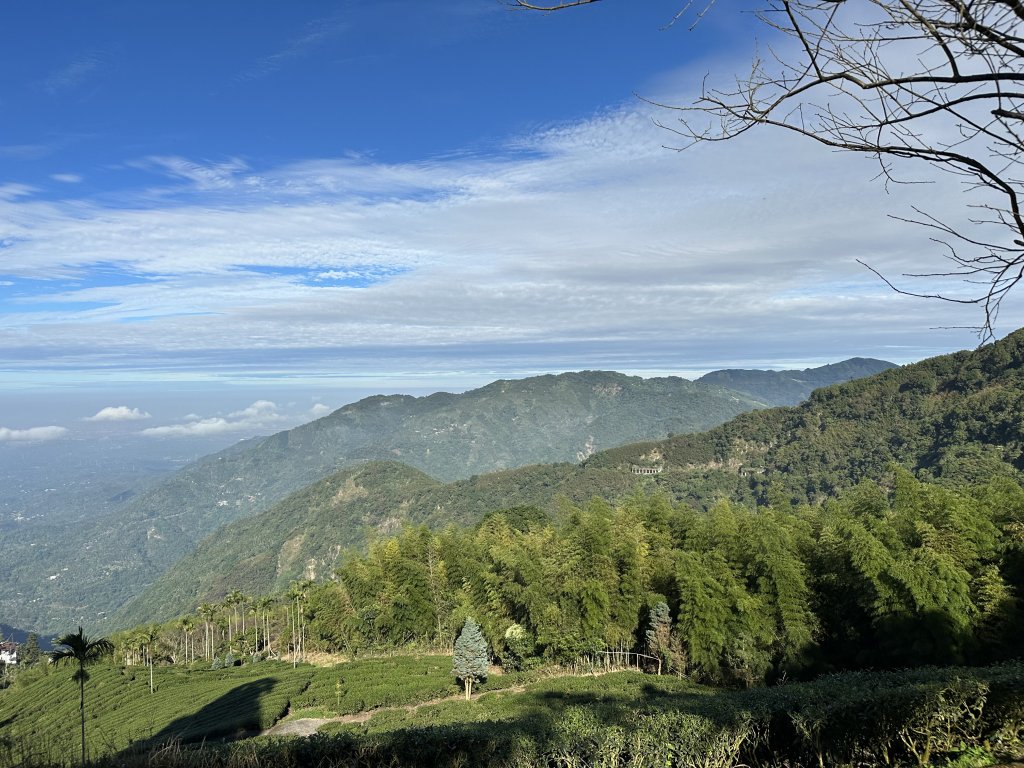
column 939, row 82
column 555, row 7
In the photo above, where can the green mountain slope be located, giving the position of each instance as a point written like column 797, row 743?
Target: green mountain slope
column 309, row 533
column 58, row 577
column 956, row 417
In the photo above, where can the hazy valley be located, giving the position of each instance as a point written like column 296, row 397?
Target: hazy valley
column 113, row 526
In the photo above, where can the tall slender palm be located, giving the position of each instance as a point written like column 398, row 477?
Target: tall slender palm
column 149, row 636
column 233, row 599
column 299, row 592
column 264, row 605
column 186, row 624
column 132, row 649
column 243, row 603
column 77, row 648
column 207, row 611
column 256, row 623
column 254, row 606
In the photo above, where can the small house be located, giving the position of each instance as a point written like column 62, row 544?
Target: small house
column 8, row 653
column 646, row 470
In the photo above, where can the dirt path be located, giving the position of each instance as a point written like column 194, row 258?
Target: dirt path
column 307, row 726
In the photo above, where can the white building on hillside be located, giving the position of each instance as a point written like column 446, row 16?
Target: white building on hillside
column 8, row 653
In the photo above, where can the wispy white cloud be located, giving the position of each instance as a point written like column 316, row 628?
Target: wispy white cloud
column 73, row 74
column 13, row 191
column 118, row 413
column 202, row 176
column 315, row 34
column 262, row 414
column 31, row 435
column 319, row 410
column 66, row 178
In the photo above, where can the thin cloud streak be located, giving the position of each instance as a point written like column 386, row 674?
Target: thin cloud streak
column 317, row 33
column 74, row 74
column 203, row 176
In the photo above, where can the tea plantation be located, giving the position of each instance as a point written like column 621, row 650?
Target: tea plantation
column 959, row 717
column 41, row 722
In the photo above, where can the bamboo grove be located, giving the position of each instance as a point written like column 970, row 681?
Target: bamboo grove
column 887, row 575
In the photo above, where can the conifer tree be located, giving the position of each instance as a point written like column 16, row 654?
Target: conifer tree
column 660, row 640
column 30, row 653
column 469, row 662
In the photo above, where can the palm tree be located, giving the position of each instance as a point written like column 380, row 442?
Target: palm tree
column 79, row 648
column 264, row 605
column 207, row 611
column 243, row 602
column 299, row 592
column 233, row 599
column 186, row 624
column 132, row 649
column 148, row 637
column 254, row 606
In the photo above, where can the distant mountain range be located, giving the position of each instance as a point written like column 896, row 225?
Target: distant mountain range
column 792, row 387
column 61, row 576
column 954, row 418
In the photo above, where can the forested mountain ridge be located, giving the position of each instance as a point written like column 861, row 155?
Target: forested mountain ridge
column 957, row 418
column 954, row 418
column 792, row 387
column 72, row 575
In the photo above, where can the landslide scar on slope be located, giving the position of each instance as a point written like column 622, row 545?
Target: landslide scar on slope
column 289, row 552
column 349, row 492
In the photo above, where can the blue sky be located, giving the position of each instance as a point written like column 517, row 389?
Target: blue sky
column 243, row 203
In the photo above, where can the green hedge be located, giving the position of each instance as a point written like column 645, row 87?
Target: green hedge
column 915, row 717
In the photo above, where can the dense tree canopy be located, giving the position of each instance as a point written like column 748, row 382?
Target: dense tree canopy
column 891, row 574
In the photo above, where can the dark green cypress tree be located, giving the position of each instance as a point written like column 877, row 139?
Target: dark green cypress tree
column 29, row 654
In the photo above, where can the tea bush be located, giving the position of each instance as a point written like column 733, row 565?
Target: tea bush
column 931, row 716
